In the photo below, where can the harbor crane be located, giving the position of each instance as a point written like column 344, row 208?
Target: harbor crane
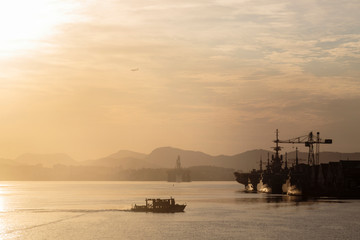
column 309, row 140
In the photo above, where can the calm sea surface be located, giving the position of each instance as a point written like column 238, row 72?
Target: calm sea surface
column 215, row 210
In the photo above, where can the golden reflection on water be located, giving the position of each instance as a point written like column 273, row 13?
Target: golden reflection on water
column 3, row 193
column 2, row 214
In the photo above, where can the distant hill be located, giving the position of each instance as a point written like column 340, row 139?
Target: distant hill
column 47, row 160
column 127, row 154
column 123, row 159
column 325, row 157
column 245, row 161
column 124, row 163
column 166, row 157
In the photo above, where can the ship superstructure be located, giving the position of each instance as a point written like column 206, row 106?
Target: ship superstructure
column 275, row 175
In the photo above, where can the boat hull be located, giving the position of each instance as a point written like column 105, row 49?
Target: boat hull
column 172, row 209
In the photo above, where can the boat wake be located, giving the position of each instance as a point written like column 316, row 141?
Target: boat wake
column 264, row 188
column 37, row 210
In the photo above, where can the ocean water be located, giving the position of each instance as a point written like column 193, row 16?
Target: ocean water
column 215, row 210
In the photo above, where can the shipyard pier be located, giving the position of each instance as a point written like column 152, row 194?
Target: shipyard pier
column 333, row 179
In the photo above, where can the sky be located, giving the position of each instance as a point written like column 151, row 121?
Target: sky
column 89, row 78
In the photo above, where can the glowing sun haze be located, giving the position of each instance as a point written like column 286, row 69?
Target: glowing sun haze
column 25, row 24
column 89, row 78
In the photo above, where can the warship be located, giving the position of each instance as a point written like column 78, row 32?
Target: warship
column 333, row 179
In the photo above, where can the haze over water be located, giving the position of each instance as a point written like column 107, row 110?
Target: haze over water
column 215, row 210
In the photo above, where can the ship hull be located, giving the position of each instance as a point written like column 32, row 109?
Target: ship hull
column 335, row 179
column 249, row 180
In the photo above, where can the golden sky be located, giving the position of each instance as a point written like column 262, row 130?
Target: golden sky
column 89, row 78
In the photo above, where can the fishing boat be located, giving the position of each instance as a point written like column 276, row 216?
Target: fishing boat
column 159, row 205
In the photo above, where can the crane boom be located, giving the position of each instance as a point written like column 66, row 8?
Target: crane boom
column 309, row 141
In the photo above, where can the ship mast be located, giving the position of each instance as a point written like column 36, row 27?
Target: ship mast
column 297, row 158
column 277, row 148
column 277, row 159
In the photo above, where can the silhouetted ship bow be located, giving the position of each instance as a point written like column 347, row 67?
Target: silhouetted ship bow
column 335, row 179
